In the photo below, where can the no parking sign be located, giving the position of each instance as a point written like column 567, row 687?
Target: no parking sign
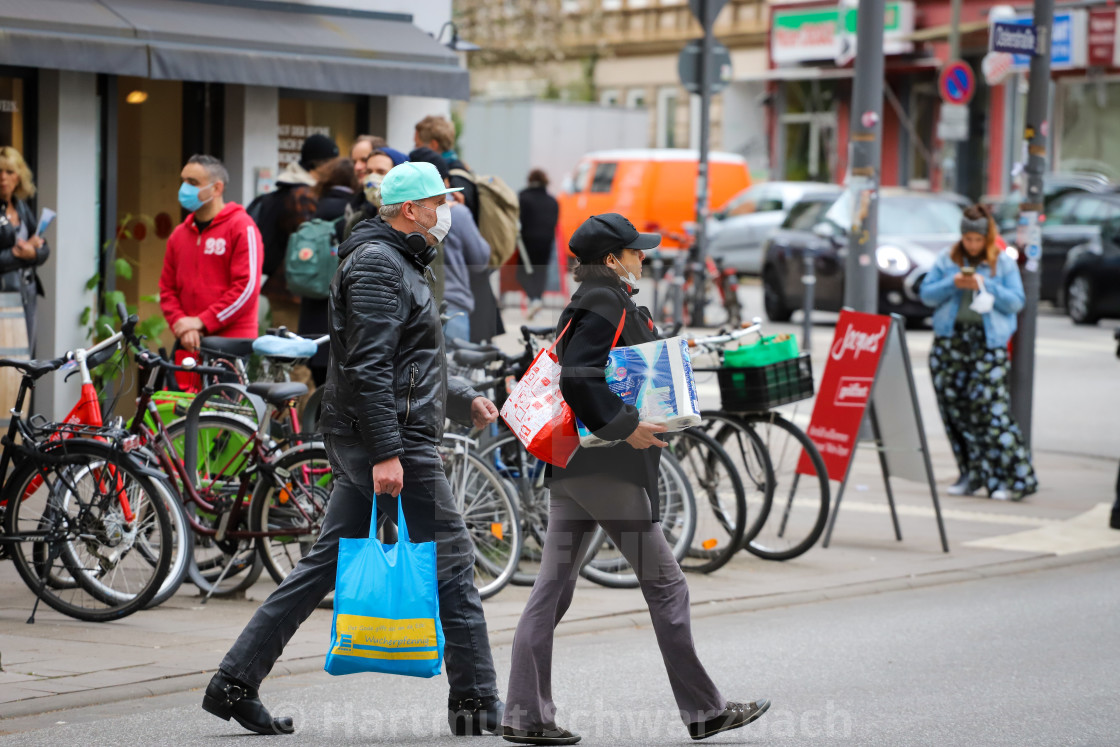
column 957, row 82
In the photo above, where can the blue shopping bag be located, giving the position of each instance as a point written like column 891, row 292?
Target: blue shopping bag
column 386, row 606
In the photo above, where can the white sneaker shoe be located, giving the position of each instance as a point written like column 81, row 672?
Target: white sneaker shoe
column 1001, row 494
column 960, row 487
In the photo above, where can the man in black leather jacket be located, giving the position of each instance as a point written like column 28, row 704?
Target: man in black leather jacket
column 383, row 417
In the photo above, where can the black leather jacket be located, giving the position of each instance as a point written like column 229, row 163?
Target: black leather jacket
column 388, row 373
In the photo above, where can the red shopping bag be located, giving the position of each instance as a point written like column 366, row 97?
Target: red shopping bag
column 536, row 411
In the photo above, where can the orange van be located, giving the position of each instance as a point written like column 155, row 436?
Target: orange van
column 654, row 188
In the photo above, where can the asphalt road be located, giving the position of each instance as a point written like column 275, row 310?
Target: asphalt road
column 1028, row 659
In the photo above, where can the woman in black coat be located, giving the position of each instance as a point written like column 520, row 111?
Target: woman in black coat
column 539, row 215
column 614, row 487
column 21, row 249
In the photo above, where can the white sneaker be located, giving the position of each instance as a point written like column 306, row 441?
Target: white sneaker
column 1001, row 494
column 960, row 487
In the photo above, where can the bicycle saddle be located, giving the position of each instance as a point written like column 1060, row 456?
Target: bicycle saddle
column 278, row 394
column 235, row 347
column 539, row 330
column 288, row 348
column 476, row 359
column 34, row 369
column 476, row 347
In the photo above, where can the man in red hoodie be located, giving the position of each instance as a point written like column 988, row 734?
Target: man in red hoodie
column 210, row 284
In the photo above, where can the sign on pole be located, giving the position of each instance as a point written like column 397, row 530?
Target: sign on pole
column 1014, row 37
column 691, row 71
column 868, row 378
column 957, row 83
column 952, row 123
column 713, row 9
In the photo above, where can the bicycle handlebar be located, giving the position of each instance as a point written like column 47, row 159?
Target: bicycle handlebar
column 755, row 326
column 152, row 359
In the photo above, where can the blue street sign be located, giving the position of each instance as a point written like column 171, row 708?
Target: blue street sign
column 1034, row 251
column 1018, row 37
column 1064, row 53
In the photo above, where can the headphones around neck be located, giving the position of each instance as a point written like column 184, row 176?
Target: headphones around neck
column 418, row 249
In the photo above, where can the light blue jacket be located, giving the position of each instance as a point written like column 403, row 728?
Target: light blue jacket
column 1001, row 322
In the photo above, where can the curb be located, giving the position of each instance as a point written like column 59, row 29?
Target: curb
column 615, row 621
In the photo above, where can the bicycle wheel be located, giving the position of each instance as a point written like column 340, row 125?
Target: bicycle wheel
column 491, row 517
column 752, row 462
column 224, row 444
column 800, row 502
column 294, row 500
column 73, row 522
column 517, row 466
column 721, row 503
column 607, row 566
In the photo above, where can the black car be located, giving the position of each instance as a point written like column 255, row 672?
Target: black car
column 1072, row 220
column 1091, row 278
column 913, row 228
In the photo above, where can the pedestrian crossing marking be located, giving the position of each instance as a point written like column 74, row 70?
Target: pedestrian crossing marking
column 1082, row 533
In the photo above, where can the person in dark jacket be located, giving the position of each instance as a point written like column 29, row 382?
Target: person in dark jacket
column 21, row 248
column 614, row 487
column 334, row 196
column 539, row 214
column 438, row 133
column 383, row 416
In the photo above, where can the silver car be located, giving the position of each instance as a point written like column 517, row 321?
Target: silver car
column 739, row 229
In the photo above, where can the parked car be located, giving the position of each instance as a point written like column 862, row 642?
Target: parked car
column 1090, row 280
column 913, row 228
column 1073, row 219
column 1054, row 186
column 654, row 188
column 738, row 230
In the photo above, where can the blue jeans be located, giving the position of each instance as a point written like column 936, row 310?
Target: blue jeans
column 459, row 326
column 431, row 514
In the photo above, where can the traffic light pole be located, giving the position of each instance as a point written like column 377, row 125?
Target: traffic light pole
column 699, row 299
column 1038, row 101
column 861, row 288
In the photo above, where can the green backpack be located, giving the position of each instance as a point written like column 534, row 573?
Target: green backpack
column 312, row 258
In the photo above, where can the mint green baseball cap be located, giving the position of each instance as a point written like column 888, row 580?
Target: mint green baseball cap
column 412, row 180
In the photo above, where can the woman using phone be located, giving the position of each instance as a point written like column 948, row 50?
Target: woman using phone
column 976, row 292
column 21, row 248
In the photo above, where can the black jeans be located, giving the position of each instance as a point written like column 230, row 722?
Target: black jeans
column 431, row 515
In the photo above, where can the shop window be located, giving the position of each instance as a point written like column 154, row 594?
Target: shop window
column 808, row 122
column 604, row 177
column 12, row 107
column 923, row 105
column 667, row 136
column 1088, row 133
column 337, row 118
column 635, row 98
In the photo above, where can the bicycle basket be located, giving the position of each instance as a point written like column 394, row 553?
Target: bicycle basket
column 764, row 387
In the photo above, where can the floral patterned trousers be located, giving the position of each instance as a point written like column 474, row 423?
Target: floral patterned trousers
column 972, row 385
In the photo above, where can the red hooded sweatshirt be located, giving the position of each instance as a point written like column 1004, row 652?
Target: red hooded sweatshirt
column 215, row 275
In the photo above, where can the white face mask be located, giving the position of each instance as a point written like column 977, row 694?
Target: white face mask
column 443, row 221
column 628, row 278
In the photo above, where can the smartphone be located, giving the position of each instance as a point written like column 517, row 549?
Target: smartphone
column 968, row 270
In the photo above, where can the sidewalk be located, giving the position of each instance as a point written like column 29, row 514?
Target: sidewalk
column 61, row 663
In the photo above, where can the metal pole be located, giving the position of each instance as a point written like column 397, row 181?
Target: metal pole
column 1038, row 100
column 702, row 171
column 809, row 281
column 949, row 148
column 861, row 289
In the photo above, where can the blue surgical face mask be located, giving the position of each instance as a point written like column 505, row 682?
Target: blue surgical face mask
column 188, row 196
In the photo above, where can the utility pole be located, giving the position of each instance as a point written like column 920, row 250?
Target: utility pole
column 861, row 272
column 949, row 149
column 1037, row 129
column 708, row 11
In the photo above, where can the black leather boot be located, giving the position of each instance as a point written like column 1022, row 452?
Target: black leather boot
column 470, row 717
column 227, row 698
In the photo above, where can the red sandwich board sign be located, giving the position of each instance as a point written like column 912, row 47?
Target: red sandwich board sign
column 868, row 378
column 957, row 82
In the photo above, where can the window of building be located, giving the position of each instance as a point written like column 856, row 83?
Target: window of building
column 923, row 104
column 636, row 98
column 13, row 105
column 609, row 97
column 302, row 116
column 570, row 6
column 667, row 135
column 612, row 4
column 604, row 177
column 1087, row 141
column 808, row 123
column 694, row 105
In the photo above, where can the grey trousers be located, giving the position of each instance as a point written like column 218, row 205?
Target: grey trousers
column 623, row 510
column 431, row 515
